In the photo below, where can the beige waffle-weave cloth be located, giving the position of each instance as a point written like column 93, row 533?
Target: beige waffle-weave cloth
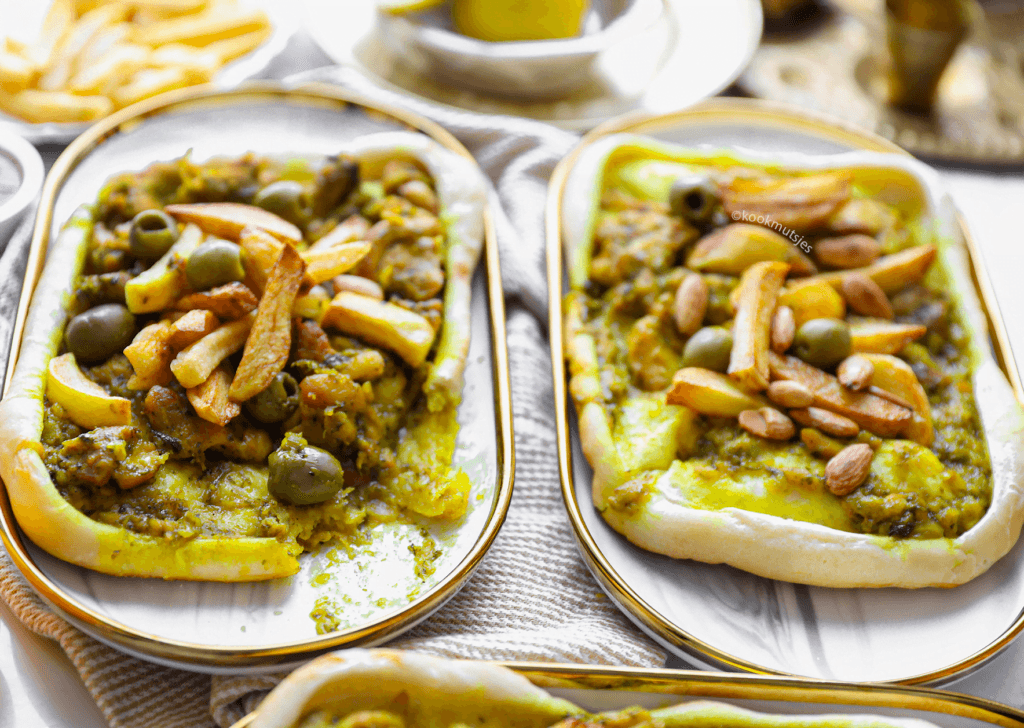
column 532, row 597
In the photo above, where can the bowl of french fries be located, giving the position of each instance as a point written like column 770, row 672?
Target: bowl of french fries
column 84, row 59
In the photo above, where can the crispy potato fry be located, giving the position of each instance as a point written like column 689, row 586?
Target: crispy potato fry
column 196, row 362
column 883, row 337
column 210, row 399
column 895, row 375
column 352, row 229
column 890, row 272
column 86, row 403
column 805, row 203
column 198, row 65
column 759, row 292
column 191, row 327
column 58, row 21
column 736, row 247
column 261, row 252
column 711, row 393
column 270, row 341
column 203, row 28
column 171, row 7
column 228, row 219
column 16, row 72
column 228, row 302
column 109, row 70
column 81, row 35
column 105, row 40
column 870, row 412
column 150, row 354
column 382, row 324
column 812, row 300
column 229, row 49
column 149, row 82
column 39, row 106
column 323, row 264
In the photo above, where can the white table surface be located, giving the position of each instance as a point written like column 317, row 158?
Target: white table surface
column 40, row 688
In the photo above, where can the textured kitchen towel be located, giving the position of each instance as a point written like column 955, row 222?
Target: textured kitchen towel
column 532, row 597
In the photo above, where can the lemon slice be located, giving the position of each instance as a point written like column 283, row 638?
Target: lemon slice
column 400, row 7
column 513, row 20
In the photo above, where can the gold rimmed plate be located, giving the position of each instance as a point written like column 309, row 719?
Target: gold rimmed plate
column 595, row 688
column 375, row 593
column 717, row 616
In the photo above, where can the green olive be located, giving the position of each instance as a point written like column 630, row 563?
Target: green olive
column 287, row 199
column 302, row 474
column 823, row 342
column 99, row 333
column 152, row 234
column 693, row 198
column 214, row 263
column 709, row 348
column 277, row 401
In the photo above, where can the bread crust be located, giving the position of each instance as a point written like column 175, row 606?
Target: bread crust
column 64, row 532
column 772, row 546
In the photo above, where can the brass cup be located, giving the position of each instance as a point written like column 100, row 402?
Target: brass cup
column 922, row 37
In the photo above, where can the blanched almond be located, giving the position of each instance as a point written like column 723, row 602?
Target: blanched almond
column 855, row 373
column 849, row 251
column 783, row 329
column 828, row 422
column 691, row 303
column 865, row 296
column 768, row 423
column 848, row 470
column 790, row 394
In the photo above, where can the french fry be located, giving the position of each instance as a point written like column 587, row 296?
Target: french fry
column 322, row 265
column 261, row 253
column 759, row 292
column 812, row 300
column 150, row 354
column 105, row 40
column 109, row 70
column 382, row 324
column 228, row 302
column 203, row 28
column 228, row 219
column 198, row 66
column 171, row 7
column 895, row 375
column 58, row 21
column 191, row 327
column 883, row 337
column 736, row 247
column 38, row 106
column 270, row 341
column 63, row 61
column 890, row 272
column 352, row 229
column 711, row 393
column 196, row 362
column 149, row 82
column 16, row 72
column 803, row 203
column 229, row 49
column 872, row 413
column 210, row 399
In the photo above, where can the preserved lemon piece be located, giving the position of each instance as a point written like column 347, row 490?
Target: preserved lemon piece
column 508, row 20
column 86, row 403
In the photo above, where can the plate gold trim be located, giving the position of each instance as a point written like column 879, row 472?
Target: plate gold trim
column 724, row 686
column 775, row 116
column 181, row 652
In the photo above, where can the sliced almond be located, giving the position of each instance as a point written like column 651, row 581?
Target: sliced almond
column 358, row 284
column 828, row 422
column 768, row 423
column 691, row 303
column 848, row 470
column 865, row 296
column 855, row 373
column 790, row 394
column 849, row 251
column 783, row 329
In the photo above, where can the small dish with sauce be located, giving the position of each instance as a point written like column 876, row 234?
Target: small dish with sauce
column 21, row 177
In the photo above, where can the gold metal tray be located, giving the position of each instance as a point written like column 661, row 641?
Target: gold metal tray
column 719, row 617
column 253, row 626
column 611, row 688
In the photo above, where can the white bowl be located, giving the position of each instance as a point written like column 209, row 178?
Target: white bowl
column 21, row 178
column 428, row 43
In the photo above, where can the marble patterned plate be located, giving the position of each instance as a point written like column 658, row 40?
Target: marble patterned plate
column 719, row 617
column 375, row 592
